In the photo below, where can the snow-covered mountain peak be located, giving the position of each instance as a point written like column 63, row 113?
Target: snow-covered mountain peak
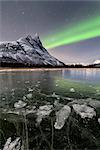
column 27, row 51
column 26, row 39
column 37, row 38
column 96, row 61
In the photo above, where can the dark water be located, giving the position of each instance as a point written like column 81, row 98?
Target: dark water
column 16, row 85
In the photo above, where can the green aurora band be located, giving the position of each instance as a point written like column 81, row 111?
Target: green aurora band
column 78, row 32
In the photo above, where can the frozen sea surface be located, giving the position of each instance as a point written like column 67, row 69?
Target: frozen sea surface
column 40, row 108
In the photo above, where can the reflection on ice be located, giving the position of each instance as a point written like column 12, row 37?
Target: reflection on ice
column 87, row 75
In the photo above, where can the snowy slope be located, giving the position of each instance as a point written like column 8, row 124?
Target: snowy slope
column 97, row 63
column 27, row 51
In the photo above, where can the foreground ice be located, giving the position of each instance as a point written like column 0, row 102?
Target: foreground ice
column 43, row 111
column 99, row 120
column 29, row 96
column 61, row 120
column 61, row 116
column 84, row 111
column 72, row 90
column 20, row 104
column 12, row 145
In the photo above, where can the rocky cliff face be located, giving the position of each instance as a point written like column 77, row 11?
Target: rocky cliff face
column 27, row 51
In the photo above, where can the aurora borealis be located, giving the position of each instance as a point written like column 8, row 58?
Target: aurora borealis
column 69, row 29
column 81, row 31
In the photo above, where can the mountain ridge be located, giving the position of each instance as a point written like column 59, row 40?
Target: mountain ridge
column 28, row 52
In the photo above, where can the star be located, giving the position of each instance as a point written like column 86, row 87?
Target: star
column 23, row 12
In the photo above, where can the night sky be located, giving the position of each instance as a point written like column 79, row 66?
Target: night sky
column 70, row 30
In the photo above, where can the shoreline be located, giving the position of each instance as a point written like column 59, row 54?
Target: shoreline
column 4, row 69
